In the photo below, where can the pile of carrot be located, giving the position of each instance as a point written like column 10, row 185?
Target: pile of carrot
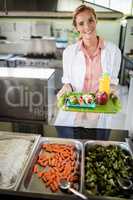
column 57, row 161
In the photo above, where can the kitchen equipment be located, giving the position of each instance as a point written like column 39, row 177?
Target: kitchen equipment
column 28, row 61
column 41, row 45
column 65, row 185
column 36, row 37
column 27, row 94
column 15, row 152
column 37, row 60
column 4, row 59
column 31, row 182
column 3, row 37
column 61, row 44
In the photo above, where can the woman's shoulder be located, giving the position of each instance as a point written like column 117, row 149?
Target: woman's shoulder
column 72, row 48
column 111, row 46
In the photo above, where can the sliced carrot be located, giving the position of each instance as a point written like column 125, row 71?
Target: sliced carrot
column 40, row 174
column 35, row 169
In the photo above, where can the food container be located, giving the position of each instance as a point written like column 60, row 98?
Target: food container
column 31, row 182
column 99, row 162
column 15, row 152
column 110, row 107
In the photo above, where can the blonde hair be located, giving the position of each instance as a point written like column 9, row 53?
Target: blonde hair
column 80, row 9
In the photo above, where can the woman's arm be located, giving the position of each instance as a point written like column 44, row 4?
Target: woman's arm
column 66, row 79
column 116, row 66
column 65, row 89
column 115, row 70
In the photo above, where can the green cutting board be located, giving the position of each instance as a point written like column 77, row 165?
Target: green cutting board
column 110, row 107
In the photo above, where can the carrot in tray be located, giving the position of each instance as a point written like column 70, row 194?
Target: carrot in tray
column 65, row 155
column 74, row 179
column 62, row 156
column 60, row 159
column 44, row 146
column 44, row 178
column 49, row 182
column 35, row 168
column 73, row 164
column 53, row 162
column 47, row 147
column 44, row 164
column 56, row 170
column 46, row 175
column 50, row 161
column 54, row 187
column 39, row 161
column 61, row 162
column 73, row 156
column 57, row 156
column 67, row 160
column 61, row 168
column 40, row 174
column 69, row 178
column 41, row 156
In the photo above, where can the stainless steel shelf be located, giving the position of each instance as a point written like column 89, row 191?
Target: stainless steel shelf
column 58, row 14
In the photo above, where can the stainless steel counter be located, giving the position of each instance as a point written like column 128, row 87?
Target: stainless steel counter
column 31, row 73
column 119, row 136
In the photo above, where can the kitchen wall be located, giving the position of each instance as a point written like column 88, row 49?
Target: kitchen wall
column 18, row 31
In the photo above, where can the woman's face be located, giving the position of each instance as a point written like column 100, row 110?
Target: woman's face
column 86, row 25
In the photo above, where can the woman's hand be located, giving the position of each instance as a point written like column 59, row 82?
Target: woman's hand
column 65, row 89
column 114, row 89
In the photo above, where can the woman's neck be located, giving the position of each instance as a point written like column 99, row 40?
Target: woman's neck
column 91, row 44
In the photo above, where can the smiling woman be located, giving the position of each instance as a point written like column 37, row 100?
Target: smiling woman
column 84, row 64
column 84, row 20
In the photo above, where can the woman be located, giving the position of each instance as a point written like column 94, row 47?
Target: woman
column 84, row 63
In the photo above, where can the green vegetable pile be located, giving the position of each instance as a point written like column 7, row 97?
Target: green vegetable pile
column 103, row 166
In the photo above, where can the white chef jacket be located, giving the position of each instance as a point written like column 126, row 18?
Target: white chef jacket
column 74, row 69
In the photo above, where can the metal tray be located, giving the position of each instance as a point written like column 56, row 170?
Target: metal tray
column 89, row 144
column 8, row 138
column 31, row 183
